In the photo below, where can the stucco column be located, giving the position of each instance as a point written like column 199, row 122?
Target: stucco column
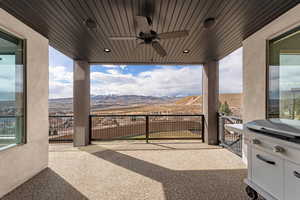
column 210, row 101
column 81, row 102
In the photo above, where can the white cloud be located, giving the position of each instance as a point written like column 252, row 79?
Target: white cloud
column 231, row 73
column 60, row 90
column 109, row 66
column 123, row 66
column 166, row 81
column 60, row 82
column 113, row 71
column 114, row 66
column 59, row 73
column 161, row 81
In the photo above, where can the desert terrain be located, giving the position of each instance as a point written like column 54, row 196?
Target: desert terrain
column 133, row 104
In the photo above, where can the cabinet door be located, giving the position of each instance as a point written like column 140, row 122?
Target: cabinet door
column 267, row 172
column 292, row 181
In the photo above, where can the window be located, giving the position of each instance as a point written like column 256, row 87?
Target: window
column 12, row 97
column 284, row 76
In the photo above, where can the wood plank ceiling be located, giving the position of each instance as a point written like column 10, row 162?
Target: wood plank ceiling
column 62, row 22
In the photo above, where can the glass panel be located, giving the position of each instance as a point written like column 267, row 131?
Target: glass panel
column 284, row 77
column 11, row 90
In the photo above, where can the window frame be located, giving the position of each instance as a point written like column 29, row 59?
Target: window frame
column 268, row 44
column 23, row 139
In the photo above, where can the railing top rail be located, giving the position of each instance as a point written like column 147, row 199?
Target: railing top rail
column 10, row 116
column 150, row 115
column 231, row 117
column 60, row 115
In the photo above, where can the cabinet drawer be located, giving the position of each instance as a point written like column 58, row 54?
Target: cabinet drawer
column 267, row 172
column 292, row 181
column 265, row 143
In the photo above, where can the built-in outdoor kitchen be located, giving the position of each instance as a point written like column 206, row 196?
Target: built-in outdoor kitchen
column 273, row 158
column 169, row 32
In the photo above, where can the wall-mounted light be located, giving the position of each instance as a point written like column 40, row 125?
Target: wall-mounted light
column 107, row 50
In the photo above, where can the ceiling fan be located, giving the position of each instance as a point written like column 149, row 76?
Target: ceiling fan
column 150, row 37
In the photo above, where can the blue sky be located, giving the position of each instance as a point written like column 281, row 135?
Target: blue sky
column 149, row 80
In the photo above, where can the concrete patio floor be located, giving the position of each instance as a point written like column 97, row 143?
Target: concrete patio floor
column 124, row 170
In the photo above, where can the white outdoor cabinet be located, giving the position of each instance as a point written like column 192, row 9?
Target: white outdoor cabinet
column 273, row 167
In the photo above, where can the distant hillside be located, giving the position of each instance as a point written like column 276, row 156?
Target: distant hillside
column 234, row 101
column 190, row 100
column 135, row 104
column 116, row 101
column 129, row 99
column 65, row 105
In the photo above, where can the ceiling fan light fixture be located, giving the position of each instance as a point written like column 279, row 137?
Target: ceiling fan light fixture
column 186, row 51
column 107, row 50
column 209, row 22
column 150, row 37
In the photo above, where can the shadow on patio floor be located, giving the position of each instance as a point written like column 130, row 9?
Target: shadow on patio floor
column 151, row 146
column 184, row 184
column 47, row 185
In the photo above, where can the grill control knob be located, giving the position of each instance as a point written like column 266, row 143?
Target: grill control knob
column 255, row 141
column 278, row 149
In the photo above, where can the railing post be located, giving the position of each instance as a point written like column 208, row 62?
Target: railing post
column 90, row 129
column 221, row 129
column 147, row 128
column 203, row 128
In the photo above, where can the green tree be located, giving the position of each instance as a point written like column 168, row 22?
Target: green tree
column 224, row 108
column 297, row 108
column 219, row 106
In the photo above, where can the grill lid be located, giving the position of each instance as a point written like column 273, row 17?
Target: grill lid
column 280, row 127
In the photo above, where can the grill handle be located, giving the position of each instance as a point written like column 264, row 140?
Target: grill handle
column 265, row 160
column 297, row 174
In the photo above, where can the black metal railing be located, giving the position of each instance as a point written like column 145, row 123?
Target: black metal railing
column 230, row 139
column 130, row 127
column 8, row 130
column 146, row 127
column 7, row 126
column 61, row 128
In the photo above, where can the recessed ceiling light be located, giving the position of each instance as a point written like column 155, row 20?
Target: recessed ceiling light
column 186, row 51
column 90, row 23
column 106, row 50
column 209, row 22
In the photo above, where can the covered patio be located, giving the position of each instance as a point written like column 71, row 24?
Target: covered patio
column 135, row 170
column 146, row 32
column 194, row 32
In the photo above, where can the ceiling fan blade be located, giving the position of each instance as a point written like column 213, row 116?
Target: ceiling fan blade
column 142, row 23
column 122, row 38
column 138, row 48
column 175, row 34
column 159, row 49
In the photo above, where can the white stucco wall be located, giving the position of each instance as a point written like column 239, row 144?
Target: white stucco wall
column 255, row 61
column 18, row 164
